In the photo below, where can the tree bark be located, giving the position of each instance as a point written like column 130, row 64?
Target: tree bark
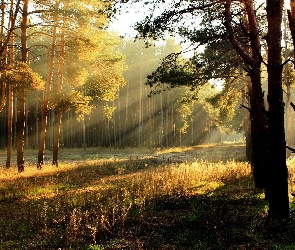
column 289, row 114
column 277, row 173
column 44, row 106
column 21, row 92
column 9, row 126
column 58, row 111
column 252, row 58
column 84, row 132
column 291, row 19
column 3, row 58
column 259, row 133
column 247, row 121
column 10, row 102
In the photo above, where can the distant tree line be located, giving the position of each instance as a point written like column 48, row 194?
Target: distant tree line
column 137, row 118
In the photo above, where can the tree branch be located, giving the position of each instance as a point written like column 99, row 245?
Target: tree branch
column 243, row 106
column 12, row 26
column 39, row 32
column 288, row 60
column 227, row 14
column 291, row 149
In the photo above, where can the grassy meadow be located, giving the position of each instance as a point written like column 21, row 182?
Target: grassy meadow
column 198, row 197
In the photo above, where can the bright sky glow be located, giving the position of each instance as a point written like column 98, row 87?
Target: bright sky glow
column 123, row 24
column 125, row 20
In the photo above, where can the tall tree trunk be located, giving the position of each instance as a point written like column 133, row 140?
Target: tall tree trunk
column 278, row 172
column 259, row 133
column 167, row 124
column 149, row 125
column 83, row 132
column 20, row 128
column 114, row 127
column 9, row 126
column 37, row 120
column 22, row 92
column 3, row 58
column 289, row 115
column 58, row 111
column 2, row 94
column 68, row 132
column 10, row 101
column 291, row 19
column 139, row 135
column 108, row 132
column 119, row 121
column 127, row 107
column 72, row 133
column 259, row 157
column 247, row 121
column 4, row 40
column 287, row 83
column 161, row 128
column 44, row 106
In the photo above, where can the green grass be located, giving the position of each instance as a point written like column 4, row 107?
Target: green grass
column 165, row 199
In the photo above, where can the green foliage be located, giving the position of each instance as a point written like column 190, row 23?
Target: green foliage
column 108, row 111
column 95, row 70
column 217, row 62
column 175, row 72
column 22, row 75
column 92, row 67
column 106, row 80
column 62, row 101
column 199, row 24
column 226, row 106
column 81, row 103
column 186, row 105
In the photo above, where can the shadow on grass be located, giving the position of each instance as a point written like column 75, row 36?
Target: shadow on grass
column 61, row 209
column 224, row 219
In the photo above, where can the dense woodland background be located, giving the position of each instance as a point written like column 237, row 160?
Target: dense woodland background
column 98, row 84
column 139, row 119
column 97, row 81
column 128, row 120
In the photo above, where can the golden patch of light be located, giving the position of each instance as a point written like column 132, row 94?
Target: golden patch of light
column 202, row 146
column 204, row 187
column 31, row 171
column 47, row 192
column 174, row 150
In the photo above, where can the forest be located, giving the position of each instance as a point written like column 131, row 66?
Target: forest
column 166, row 137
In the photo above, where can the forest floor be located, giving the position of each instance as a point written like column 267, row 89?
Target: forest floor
column 199, row 197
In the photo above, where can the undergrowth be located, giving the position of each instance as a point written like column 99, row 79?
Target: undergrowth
column 161, row 200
